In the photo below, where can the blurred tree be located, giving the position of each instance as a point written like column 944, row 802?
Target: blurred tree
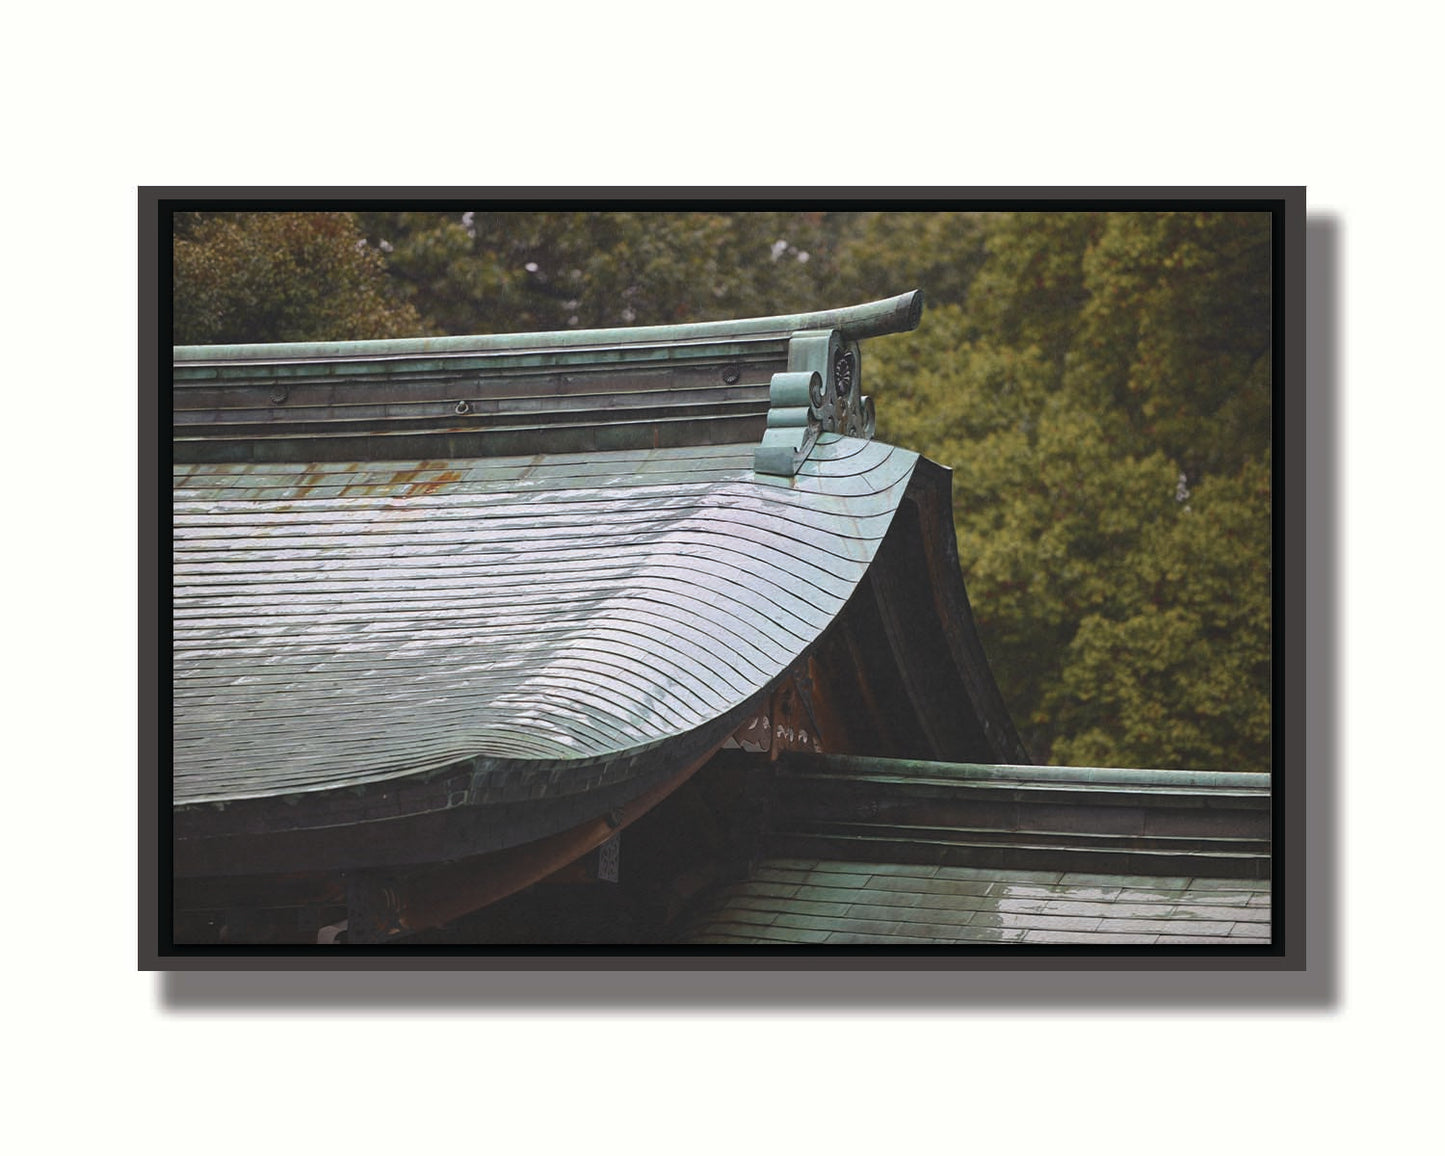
column 247, row 277
column 1180, row 671
column 517, row 272
column 1174, row 339
column 1030, row 288
column 881, row 254
column 1104, row 366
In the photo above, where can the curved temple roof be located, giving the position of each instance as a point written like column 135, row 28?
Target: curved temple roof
column 486, row 588
column 337, row 625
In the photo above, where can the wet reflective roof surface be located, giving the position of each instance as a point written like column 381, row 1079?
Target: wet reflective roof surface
column 343, row 623
column 805, row 901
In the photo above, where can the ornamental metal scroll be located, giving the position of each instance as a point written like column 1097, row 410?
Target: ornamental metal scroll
column 794, row 404
column 821, row 392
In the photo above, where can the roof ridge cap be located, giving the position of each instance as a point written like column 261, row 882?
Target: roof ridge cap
column 871, row 319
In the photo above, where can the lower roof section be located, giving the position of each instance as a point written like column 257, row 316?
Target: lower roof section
column 900, row 852
column 789, row 902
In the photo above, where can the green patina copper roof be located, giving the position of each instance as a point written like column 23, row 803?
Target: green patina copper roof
column 343, row 624
column 902, row 852
column 423, row 577
column 797, row 902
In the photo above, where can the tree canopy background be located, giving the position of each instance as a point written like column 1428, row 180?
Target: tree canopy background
column 1100, row 384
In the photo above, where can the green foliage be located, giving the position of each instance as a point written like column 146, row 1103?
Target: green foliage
column 1181, row 670
column 1174, row 338
column 1030, row 290
column 880, row 254
column 1104, row 366
column 245, row 277
column 520, row 272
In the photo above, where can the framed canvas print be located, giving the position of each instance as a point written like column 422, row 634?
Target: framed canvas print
column 880, row 578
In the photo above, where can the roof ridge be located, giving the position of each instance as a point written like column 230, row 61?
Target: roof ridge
column 897, row 314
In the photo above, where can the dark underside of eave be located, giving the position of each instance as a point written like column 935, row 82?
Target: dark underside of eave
column 906, row 658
